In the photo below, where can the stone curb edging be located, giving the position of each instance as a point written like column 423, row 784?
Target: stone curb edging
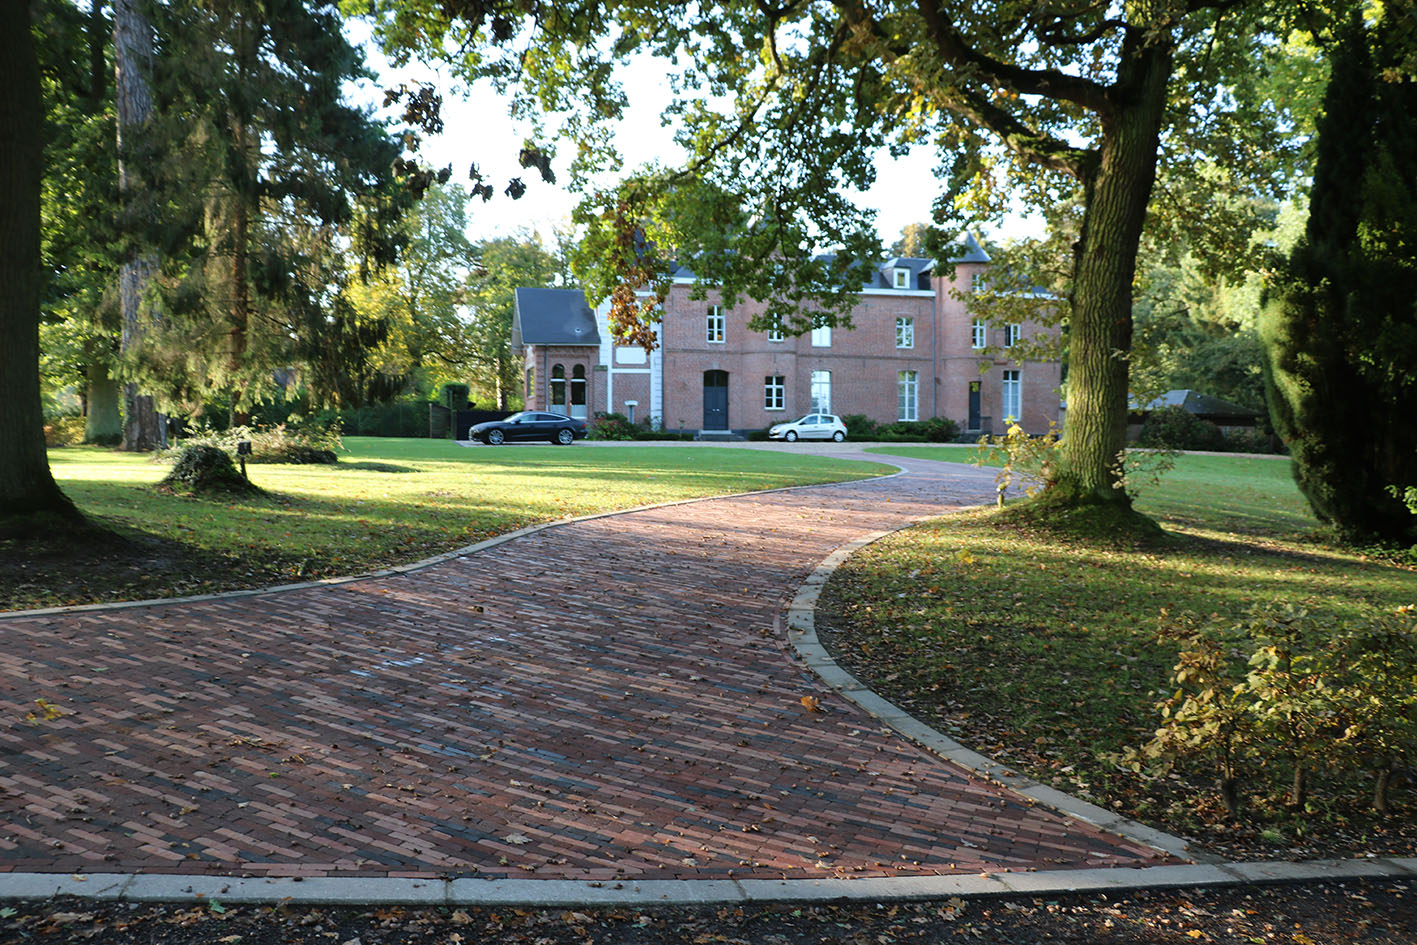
column 802, row 637
column 425, row 562
column 1205, row 870
column 365, row 891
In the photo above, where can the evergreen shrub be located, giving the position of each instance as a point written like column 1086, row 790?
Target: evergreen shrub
column 860, row 427
column 205, row 468
column 1176, row 428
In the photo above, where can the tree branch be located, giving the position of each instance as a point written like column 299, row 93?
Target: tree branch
column 1036, row 146
column 1049, row 83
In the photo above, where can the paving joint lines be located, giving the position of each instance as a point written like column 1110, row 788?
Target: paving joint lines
column 620, row 719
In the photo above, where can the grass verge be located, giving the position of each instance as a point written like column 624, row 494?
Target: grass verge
column 1044, row 653
column 386, row 502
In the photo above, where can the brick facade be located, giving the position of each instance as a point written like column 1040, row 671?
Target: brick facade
column 864, row 364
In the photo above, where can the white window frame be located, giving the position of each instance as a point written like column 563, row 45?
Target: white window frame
column 821, row 390
column 907, row 396
column 775, row 333
column 904, row 331
column 822, row 336
column 716, row 326
column 976, row 281
column 1013, row 331
column 774, row 392
column 978, row 334
column 902, row 277
column 1011, row 395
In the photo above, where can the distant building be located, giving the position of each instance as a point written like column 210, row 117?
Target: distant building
column 915, row 352
column 1224, row 414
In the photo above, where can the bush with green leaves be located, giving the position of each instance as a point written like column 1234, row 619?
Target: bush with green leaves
column 933, row 430
column 859, row 426
column 611, row 426
column 1176, row 428
column 1028, row 461
column 1286, row 691
column 205, row 468
column 283, row 443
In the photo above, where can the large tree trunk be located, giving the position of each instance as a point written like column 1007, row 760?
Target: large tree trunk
column 103, row 421
column 144, row 428
column 1117, row 191
column 26, row 485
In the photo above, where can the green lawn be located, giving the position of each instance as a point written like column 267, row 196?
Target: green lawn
column 1044, row 651
column 387, row 501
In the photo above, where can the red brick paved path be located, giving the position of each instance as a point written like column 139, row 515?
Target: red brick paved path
column 601, row 700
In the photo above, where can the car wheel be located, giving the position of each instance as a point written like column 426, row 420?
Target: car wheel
column 495, row 437
column 838, row 436
column 565, row 437
column 790, row 436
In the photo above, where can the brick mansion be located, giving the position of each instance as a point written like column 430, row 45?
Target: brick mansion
column 915, row 352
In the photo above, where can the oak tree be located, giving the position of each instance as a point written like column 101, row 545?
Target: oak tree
column 781, row 107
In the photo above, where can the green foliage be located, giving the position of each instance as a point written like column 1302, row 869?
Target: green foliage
column 310, row 442
column 1284, row 690
column 1206, row 714
column 455, row 396
column 859, row 427
column 1408, row 497
column 263, row 193
column 611, row 426
column 417, row 299
column 205, row 469
column 780, row 112
column 401, row 418
column 64, row 431
column 1030, row 462
column 1176, row 428
column 932, row 430
column 503, row 265
column 1340, row 331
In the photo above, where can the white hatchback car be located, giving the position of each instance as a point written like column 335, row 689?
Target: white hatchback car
column 814, row 426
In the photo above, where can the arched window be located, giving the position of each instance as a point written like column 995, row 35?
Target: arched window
column 578, row 392
column 558, row 389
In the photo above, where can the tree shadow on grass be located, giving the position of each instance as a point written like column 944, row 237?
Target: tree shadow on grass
column 370, row 466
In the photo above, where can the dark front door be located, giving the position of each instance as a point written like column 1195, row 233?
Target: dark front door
column 974, row 409
column 715, row 400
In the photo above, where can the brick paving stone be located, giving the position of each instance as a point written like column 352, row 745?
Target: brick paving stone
column 603, row 699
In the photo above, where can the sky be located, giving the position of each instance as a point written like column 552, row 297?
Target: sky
column 478, row 130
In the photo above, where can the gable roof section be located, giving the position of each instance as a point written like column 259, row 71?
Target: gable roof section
column 553, row 317
column 1202, row 405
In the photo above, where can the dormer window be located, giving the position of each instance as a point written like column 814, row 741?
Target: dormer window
column 902, row 277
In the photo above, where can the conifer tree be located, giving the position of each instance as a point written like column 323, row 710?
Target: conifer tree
column 1340, row 331
column 259, row 163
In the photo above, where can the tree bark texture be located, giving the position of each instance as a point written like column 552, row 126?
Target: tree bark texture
column 26, row 485
column 103, row 421
column 1118, row 190
column 144, row 428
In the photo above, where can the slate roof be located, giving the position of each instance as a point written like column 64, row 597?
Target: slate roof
column 967, row 250
column 553, row 317
column 1202, row 405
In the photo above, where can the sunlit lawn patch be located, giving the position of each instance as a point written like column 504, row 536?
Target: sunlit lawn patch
column 387, row 502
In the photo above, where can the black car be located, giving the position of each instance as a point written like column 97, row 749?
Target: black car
column 530, row 425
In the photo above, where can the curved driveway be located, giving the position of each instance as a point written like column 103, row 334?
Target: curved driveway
column 606, row 699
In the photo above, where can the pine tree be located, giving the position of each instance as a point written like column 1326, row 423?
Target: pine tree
column 1340, row 330
column 259, row 164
